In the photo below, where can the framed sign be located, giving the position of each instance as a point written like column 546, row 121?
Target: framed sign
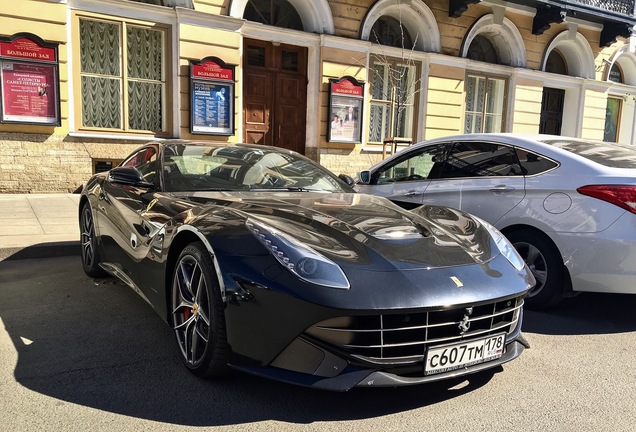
column 212, row 97
column 346, row 97
column 612, row 119
column 29, row 81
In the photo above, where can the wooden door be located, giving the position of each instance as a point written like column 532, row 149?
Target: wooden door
column 552, row 111
column 275, row 95
column 257, row 107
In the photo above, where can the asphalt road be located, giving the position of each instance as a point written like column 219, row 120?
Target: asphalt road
column 78, row 354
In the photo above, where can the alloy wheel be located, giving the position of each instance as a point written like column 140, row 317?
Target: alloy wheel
column 191, row 309
column 88, row 238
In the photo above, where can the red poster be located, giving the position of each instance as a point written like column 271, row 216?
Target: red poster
column 28, row 93
column 213, row 71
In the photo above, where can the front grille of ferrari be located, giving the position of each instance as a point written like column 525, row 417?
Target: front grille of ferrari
column 401, row 338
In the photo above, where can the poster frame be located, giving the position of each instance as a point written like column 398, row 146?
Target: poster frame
column 29, row 51
column 210, row 79
column 346, row 96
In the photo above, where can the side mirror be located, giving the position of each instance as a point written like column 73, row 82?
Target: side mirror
column 347, row 179
column 365, row 177
column 128, row 176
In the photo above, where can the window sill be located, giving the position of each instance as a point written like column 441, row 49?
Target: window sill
column 372, row 148
column 118, row 137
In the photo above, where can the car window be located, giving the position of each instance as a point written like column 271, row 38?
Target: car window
column 533, row 163
column 422, row 164
column 145, row 160
column 479, row 159
column 611, row 155
column 243, row 168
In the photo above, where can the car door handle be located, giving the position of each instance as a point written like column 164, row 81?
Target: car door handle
column 502, row 188
column 410, row 193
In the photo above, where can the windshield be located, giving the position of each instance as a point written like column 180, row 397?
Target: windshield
column 611, row 155
column 242, row 168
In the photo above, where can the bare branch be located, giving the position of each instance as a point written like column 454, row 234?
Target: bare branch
column 399, row 73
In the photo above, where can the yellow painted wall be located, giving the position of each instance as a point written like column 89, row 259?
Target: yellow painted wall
column 453, row 30
column 46, row 20
column 527, row 106
column 348, row 16
column 216, row 7
column 594, row 115
column 445, row 107
column 336, row 64
column 196, row 43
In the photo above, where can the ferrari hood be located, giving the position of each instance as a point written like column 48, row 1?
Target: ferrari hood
column 363, row 230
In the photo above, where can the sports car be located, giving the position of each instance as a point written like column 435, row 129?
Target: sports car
column 263, row 261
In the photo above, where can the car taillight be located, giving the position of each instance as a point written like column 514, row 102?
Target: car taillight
column 621, row 195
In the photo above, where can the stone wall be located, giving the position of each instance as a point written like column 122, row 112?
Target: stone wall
column 34, row 163
column 348, row 161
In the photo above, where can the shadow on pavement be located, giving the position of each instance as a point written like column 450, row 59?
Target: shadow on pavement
column 587, row 313
column 95, row 343
column 41, row 250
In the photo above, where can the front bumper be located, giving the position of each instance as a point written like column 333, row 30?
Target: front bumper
column 352, row 376
column 312, row 362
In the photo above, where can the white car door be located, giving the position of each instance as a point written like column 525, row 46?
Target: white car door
column 481, row 178
column 405, row 179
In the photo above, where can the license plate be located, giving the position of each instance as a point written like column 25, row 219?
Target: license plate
column 446, row 358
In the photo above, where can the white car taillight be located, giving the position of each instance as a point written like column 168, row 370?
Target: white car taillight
column 623, row 196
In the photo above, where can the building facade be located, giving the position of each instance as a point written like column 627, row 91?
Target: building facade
column 345, row 82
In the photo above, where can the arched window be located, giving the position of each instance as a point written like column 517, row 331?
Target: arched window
column 482, row 49
column 556, row 63
column 492, row 39
column 169, row 3
column 574, row 56
column 389, row 31
column 616, row 74
column 278, row 13
column 495, row 41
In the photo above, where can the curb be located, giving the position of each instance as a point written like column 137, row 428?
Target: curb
column 41, row 250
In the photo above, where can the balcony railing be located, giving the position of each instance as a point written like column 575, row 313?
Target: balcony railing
column 623, row 7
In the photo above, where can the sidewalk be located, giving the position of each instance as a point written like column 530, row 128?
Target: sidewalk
column 38, row 225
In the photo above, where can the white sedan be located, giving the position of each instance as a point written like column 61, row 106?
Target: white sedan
column 567, row 204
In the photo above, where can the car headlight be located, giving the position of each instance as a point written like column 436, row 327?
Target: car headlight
column 505, row 247
column 298, row 258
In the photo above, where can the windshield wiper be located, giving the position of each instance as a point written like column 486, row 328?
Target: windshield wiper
column 218, row 190
column 302, row 189
column 284, row 189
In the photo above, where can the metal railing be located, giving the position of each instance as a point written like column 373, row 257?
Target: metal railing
column 625, row 7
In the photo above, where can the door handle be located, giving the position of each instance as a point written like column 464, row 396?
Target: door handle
column 502, row 188
column 410, row 193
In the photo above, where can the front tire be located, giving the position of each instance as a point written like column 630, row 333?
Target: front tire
column 545, row 262
column 198, row 317
column 88, row 240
